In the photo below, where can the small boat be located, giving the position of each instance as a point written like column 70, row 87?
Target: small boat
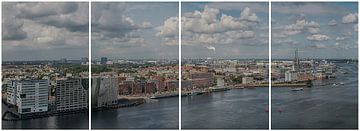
column 335, row 84
column 196, row 93
column 298, row 89
column 341, row 83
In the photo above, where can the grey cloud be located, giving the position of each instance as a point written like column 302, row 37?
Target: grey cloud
column 43, row 9
column 69, row 15
column 110, row 20
column 12, row 29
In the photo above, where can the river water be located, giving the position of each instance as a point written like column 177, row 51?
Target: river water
column 163, row 114
column 71, row 121
column 325, row 107
column 232, row 109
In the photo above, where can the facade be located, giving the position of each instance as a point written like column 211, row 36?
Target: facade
column 290, row 75
column 32, row 96
column 247, row 80
column 104, row 91
column 11, row 92
column 71, row 94
column 103, row 60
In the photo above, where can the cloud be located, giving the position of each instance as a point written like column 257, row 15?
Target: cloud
column 318, row 37
column 246, row 14
column 12, row 28
column 340, row 38
column 350, row 18
column 306, row 8
column 286, row 41
column 69, row 15
column 44, row 9
column 319, row 46
column 169, row 31
column 109, row 21
column 313, row 30
column 298, row 27
column 45, row 27
column 332, row 23
column 209, row 47
column 211, row 27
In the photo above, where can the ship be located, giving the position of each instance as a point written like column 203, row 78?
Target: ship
column 298, row 89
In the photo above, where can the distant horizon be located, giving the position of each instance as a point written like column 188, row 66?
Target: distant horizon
column 187, row 59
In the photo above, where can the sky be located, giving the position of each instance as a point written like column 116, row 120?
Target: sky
column 135, row 30
column 225, row 30
column 44, row 31
column 317, row 30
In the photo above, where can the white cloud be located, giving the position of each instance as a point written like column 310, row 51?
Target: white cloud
column 246, row 14
column 350, row 18
column 298, row 27
column 211, row 27
column 340, row 38
column 170, row 28
column 209, row 47
column 332, row 23
column 169, row 31
column 313, row 30
column 318, row 37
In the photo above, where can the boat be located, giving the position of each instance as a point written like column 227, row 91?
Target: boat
column 196, row 93
column 298, row 89
column 163, row 96
column 334, row 84
column 218, row 89
column 341, row 83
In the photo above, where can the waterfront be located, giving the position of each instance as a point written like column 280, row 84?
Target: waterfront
column 159, row 114
column 324, row 106
column 72, row 121
column 232, row 109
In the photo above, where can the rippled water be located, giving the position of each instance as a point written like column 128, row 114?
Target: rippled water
column 163, row 114
column 233, row 109
column 318, row 107
column 73, row 121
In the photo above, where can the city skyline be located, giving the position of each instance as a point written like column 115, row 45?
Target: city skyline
column 45, row 30
column 316, row 29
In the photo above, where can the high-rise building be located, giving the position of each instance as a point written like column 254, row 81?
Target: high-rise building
column 32, row 96
column 296, row 62
column 103, row 60
column 71, row 94
column 104, row 91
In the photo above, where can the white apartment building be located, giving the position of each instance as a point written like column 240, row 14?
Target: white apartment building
column 32, row 96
